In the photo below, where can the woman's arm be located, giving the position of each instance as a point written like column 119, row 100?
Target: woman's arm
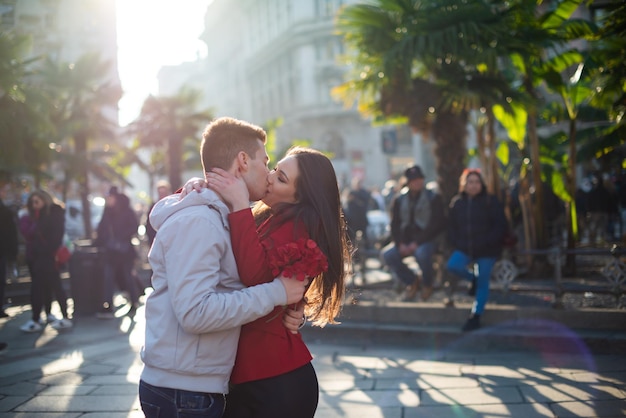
column 250, row 254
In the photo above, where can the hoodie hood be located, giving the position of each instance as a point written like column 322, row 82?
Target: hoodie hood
column 172, row 204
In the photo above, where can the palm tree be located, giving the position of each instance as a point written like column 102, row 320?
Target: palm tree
column 538, row 50
column 428, row 63
column 83, row 109
column 23, row 125
column 170, row 122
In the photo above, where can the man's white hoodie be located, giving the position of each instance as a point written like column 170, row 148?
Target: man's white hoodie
column 194, row 314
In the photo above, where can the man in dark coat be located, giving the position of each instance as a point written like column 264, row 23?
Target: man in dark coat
column 417, row 220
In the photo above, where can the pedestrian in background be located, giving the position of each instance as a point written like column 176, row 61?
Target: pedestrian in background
column 114, row 237
column 43, row 227
column 163, row 189
column 417, row 220
column 476, row 229
column 8, row 244
column 358, row 202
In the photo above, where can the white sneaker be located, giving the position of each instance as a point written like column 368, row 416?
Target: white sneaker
column 31, row 326
column 62, row 323
column 51, row 318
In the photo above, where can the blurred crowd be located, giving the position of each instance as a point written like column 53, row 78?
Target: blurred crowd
column 40, row 233
column 36, row 223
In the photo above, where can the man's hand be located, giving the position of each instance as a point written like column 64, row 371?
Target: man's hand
column 294, row 288
column 194, row 183
column 231, row 188
column 293, row 319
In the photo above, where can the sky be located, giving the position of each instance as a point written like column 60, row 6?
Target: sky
column 151, row 34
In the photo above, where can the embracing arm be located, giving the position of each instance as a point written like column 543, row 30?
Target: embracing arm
column 201, row 298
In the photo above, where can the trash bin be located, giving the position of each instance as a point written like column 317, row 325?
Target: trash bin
column 86, row 276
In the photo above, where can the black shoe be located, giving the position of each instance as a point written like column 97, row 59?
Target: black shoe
column 3, row 347
column 472, row 290
column 106, row 313
column 473, row 323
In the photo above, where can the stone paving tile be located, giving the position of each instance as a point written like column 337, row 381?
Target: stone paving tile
column 7, row 403
column 383, row 398
column 131, row 414
column 70, row 390
column 559, row 392
column 65, row 378
column 88, row 403
column 409, row 382
column 94, row 368
column 351, row 411
column 116, row 379
column 364, row 361
column 125, row 389
column 472, row 396
column 480, row 411
column 20, row 388
column 334, row 385
column 612, row 408
column 44, row 415
column 427, row 381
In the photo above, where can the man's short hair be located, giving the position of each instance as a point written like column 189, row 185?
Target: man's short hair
column 224, row 138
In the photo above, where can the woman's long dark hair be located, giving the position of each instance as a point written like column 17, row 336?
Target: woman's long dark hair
column 47, row 200
column 318, row 207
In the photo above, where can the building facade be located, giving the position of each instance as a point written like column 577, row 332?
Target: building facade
column 272, row 60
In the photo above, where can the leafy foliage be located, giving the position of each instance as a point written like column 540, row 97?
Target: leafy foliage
column 171, row 123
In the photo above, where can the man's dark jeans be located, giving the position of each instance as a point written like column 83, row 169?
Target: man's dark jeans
column 158, row 402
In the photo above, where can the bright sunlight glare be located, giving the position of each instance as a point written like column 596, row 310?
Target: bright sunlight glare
column 152, row 34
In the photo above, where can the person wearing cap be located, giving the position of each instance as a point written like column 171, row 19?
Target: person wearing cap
column 417, row 220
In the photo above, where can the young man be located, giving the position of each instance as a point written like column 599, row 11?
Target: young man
column 417, row 219
column 194, row 315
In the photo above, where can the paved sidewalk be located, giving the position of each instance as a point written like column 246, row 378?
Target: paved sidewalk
column 92, row 371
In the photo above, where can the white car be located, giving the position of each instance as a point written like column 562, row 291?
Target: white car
column 74, row 226
column 379, row 229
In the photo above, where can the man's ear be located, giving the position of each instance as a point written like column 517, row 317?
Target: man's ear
column 242, row 162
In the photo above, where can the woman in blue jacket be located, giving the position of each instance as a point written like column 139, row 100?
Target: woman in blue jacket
column 476, row 230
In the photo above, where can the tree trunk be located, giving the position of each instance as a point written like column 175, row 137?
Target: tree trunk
column 533, row 142
column 527, row 218
column 175, row 159
column 572, row 227
column 536, row 173
column 481, row 145
column 80, row 147
column 449, row 131
column 494, row 178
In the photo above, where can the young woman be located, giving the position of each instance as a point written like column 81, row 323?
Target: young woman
column 273, row 375
column 43, row 228
column 476, row 227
